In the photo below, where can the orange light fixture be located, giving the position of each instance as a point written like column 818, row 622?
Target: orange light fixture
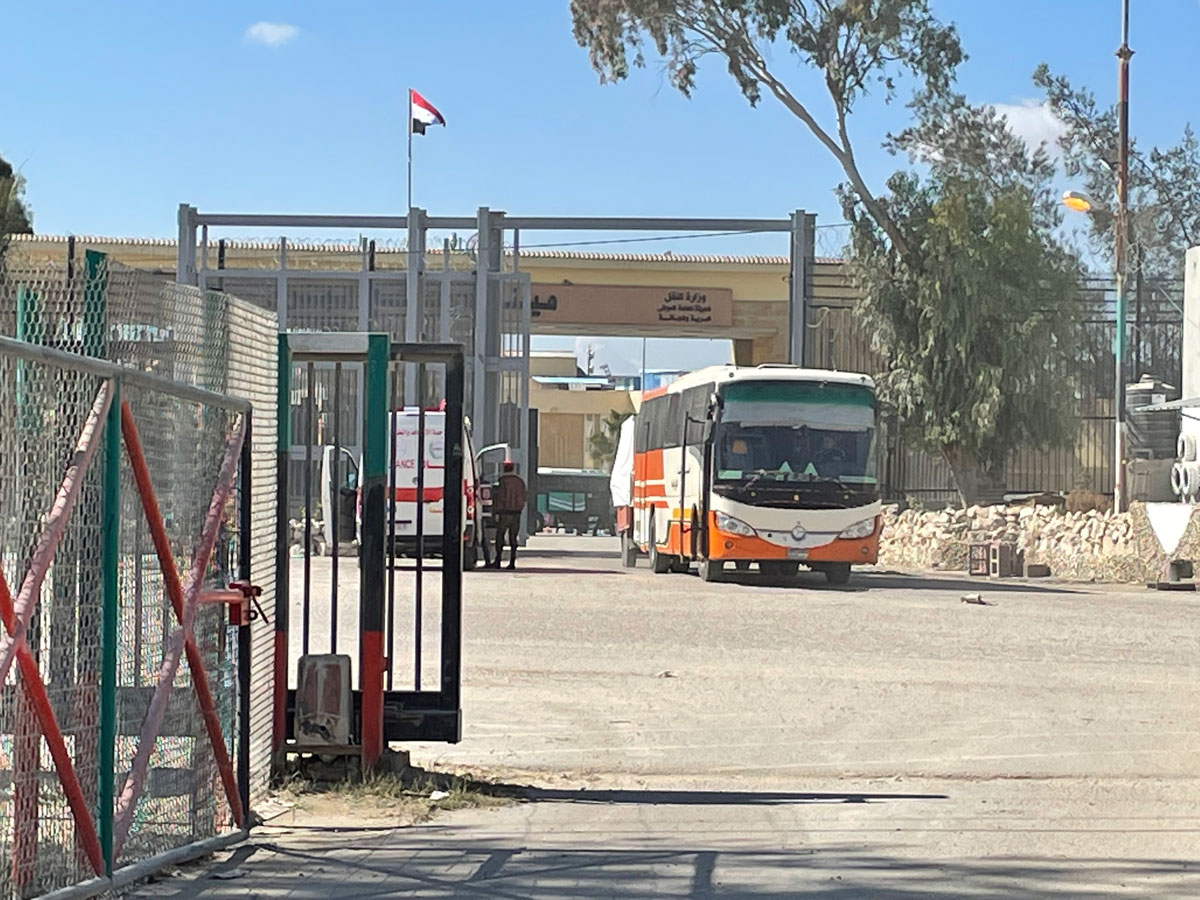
column 1077, row 201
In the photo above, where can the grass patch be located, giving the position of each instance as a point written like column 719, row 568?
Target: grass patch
column 408, row 797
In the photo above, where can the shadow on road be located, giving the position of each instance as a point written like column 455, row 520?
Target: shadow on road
column 867, row 581
column 708, row 798
column 524, row 569
column 437, row 861
column 900, row 581
column 612, row 553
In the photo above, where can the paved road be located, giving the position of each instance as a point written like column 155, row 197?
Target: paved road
column 880, row 740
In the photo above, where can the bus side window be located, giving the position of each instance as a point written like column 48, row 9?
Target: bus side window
column 672, row 421
column 695, row 408
column 653, row 410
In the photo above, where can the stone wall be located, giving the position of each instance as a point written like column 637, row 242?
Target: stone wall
column 1089, row 546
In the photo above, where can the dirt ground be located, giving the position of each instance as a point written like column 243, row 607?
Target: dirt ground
column 880, row 740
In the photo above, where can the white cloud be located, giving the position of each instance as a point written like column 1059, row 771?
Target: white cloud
column 1033, row 122
column 273, row 34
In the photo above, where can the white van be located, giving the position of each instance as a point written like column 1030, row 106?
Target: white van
column 404, row 506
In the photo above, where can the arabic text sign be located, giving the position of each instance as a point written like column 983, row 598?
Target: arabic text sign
column 607, row 304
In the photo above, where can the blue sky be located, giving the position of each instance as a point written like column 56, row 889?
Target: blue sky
column 117, row 112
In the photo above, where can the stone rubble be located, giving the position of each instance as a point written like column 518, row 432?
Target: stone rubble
column 1085, row 546
column 296, row 535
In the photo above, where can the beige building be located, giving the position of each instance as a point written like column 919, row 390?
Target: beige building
column 571, row 409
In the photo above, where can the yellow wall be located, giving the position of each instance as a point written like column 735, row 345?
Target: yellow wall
column 553, row 365
column 561, row 441
column 568, row 419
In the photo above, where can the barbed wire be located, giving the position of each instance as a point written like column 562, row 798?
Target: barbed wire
column 401, row 243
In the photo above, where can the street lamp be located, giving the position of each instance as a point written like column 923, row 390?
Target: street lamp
column 1077, row 201
column 1080, row 202
column 1119, row 250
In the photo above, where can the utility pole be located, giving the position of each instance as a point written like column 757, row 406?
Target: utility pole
column 1120, row 252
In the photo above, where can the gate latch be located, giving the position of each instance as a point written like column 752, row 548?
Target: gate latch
column 240, row 595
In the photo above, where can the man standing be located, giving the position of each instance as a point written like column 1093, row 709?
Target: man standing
column 508, row 502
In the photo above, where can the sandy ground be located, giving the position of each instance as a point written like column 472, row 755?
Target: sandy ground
column 879, row 740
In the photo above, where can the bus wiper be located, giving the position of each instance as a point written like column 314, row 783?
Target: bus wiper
column 758, row 473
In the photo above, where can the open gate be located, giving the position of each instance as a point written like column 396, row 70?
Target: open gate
column 368, row 639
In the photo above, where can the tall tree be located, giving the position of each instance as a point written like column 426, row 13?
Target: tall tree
column 1164, row 202
column 856, row 45
column 15, row 217
column 965, row 288
column 977, row 336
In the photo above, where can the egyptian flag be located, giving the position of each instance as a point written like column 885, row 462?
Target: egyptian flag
column 423, row 113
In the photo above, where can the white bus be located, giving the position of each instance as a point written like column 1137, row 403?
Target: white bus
column 773, row 466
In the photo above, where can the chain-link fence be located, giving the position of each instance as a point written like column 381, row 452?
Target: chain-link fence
column 119, row 526
column 837, row 340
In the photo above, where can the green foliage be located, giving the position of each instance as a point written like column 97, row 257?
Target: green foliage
column 15, row 217
column 856, row 46
column 976, row 336
column 1164, row 201
column 604, row 441
column 969, row 297
column 978, row 319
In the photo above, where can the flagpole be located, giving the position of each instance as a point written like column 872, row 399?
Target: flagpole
column 410, row 135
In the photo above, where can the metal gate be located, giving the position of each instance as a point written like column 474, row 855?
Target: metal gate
column 359, row 665
column 125, row 515
column 413, row 304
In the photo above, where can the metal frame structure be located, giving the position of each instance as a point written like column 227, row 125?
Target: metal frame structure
column 382, row 715
column 486, row 354
column 102, row 832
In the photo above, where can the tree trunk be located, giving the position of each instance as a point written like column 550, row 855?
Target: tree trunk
column 977, row 485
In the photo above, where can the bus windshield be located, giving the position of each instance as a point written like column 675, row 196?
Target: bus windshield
column 796, row 432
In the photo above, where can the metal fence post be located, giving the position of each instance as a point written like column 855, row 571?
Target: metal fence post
column 75, row 610
column 111, row 556
column 414, row 301
column 374, row 550
column 26, row 734
column 185, row 262
column 803, row 247
column 283, row 448
column 245, row 544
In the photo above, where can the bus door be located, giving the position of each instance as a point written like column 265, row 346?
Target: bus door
column 696, row 439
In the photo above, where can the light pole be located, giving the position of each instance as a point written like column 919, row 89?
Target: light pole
column 1120, row 251
column 1080, row 202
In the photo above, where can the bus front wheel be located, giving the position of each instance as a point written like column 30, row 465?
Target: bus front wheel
column 837, row 573
column 711, row 570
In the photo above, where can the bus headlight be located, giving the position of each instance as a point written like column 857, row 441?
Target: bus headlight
column 859, row 530
column 730, row 525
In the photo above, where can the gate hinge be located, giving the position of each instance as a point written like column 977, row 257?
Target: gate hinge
column 239, row 596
